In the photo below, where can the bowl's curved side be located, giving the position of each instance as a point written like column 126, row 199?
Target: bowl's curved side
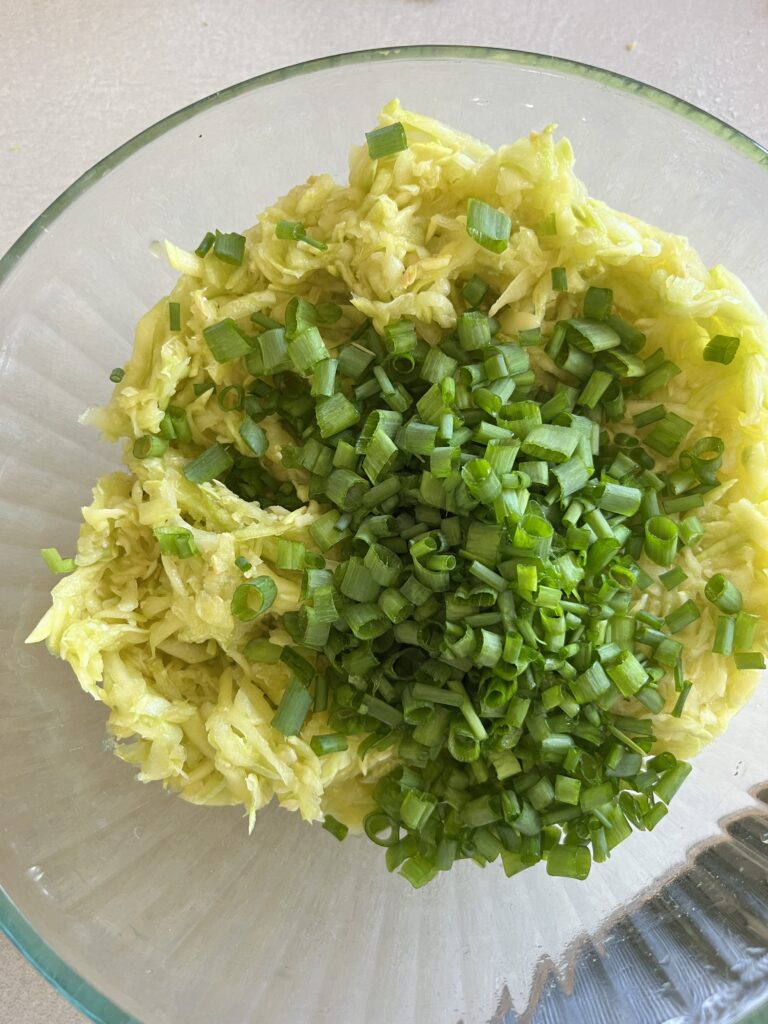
column 55, row 971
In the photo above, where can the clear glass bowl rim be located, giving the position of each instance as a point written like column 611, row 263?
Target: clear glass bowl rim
column 75, row 988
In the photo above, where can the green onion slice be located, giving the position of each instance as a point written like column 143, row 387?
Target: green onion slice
column 386, row 141
column 55, row 562
column 721, row 349
column 253, row 598
column 488, row 226
column 293, row 708
column 230, row 248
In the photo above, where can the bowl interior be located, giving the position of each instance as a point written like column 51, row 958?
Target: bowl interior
column 174, row 913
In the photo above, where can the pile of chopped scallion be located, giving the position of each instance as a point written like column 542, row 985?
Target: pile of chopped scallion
column 471, row 602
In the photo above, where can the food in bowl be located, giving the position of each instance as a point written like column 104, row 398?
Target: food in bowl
column 443, row 515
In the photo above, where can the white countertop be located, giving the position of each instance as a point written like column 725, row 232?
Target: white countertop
column 80, row 78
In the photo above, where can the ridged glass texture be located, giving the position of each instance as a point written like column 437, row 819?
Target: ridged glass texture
column 140, row 907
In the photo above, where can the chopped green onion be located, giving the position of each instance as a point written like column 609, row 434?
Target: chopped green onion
column 175, row 424
column 335, row 414
column 744, row 631
column 384, row 565
column 667, row 433
column 557, row 340
column 474, row 330
column 265, row 321
column 328, row 743
column 723, row 594
column 324, row 378
column 292, row 709
column 474, row 291
column 337, row 828
column 648, row 416
column 551, row 443
column 325, row 531
column 622, row 363
column 210, row 464
column 595, row 388
column 657, row 378
column 591, row 335
column 357, row 583
column 253, row 436
column 230, row 248
column 300, row 315
column 418, row 870
column 55, row 562
column 721, row 349
column 205, row 245
column 226, row 341
column 591, row 684
column 437, row 695
column 291, row 230
column 684, row 503
column 483, row 525
column 416, row 438
column 488, row 226
column 571, row 475
column 290, row 554
column 677, row 711
column 262, row 651
column 175, row 541
column 530, row 337
column 559, row 279
column 253, row 598
column 174, row 316
column 416, row 809
column 671, row 781
column 661, row 536
column 627, row 674
column 395, row 605
column 377, row 708
column 668, row 652
column 632, row 340
column 597, row 303
column 230, row 398
column 386, row 141
column 117, row 375
column 328, row 312
column 617, row 498
column 567, row 790
column 271, row 353
column 481, row 481
column 682, row 616
column 725, row 627
column 149, row 446
column 749, row 660
column 380, row 455
column 706, row 457
column 381, row 829
column 437, row 366
column 673, row 577
column 307, row 349
column 569, row 861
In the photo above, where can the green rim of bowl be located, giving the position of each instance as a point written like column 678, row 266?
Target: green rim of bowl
column 75, row 988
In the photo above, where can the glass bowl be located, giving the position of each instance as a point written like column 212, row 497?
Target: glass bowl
column 140, row 907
